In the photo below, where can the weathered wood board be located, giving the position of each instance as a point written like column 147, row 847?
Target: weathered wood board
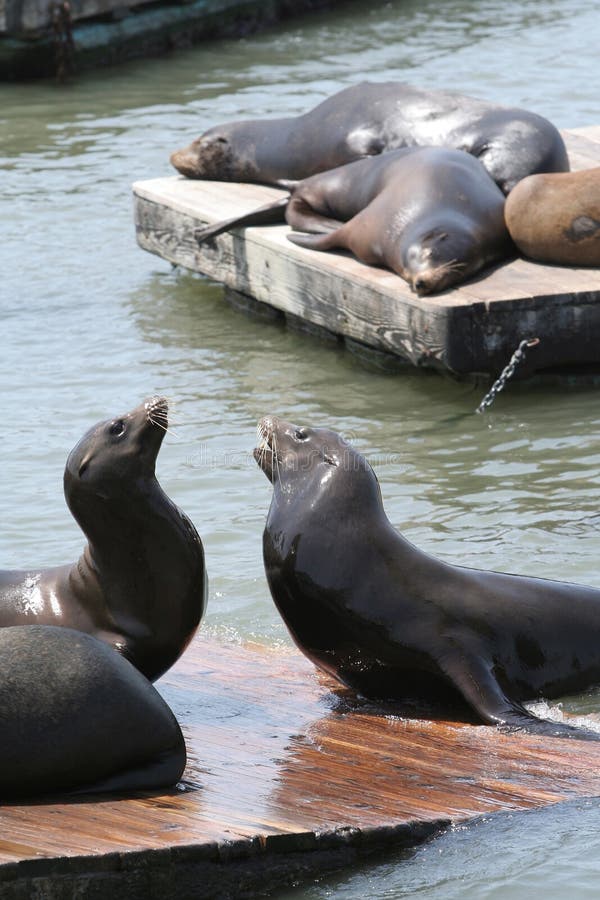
column 287, row 774
column 19, row 17
column 474, row 328
column 105, row 32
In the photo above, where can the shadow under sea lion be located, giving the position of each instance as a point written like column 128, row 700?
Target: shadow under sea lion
column 76, row 716
column 432, row 215
column 392, row 622
column 140, row 584
column 371, row 118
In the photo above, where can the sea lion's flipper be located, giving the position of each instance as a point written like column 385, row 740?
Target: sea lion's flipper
column 312, row 241
column 286, row 184
column 476, row 682
column 269, row 214
column 301, row 216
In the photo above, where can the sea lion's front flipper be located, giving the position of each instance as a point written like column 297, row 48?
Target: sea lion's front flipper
column 269, row 214
column 476, row 682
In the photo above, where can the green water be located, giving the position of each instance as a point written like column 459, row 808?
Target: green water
column 90, row 325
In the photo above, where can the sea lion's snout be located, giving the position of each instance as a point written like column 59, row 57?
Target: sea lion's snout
column 206, row 157
column 157, row 411
column 264, row 452
column 265, row 429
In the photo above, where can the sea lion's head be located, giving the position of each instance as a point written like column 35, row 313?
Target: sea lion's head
column 313, row 464
column 209, row 156
column 223, row 153
column 115, row 457
column 433, row 259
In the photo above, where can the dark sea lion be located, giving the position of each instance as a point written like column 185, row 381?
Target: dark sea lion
column 434, row 216
column 140, row 584
column 556, row 218
column 76, row 716
column 371, row 118
column 392, row 622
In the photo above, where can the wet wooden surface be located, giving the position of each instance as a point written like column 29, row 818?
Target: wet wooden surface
column 473, row 328
column 281, row 762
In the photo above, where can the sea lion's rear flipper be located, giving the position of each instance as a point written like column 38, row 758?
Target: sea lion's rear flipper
column 312, row 241
column 478, row 685
column 269, row 214
column 301, row 216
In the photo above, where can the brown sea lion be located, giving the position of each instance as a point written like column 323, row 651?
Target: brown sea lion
column 432, row 215
column 76, row 716
column 556, row 218
column 140, row 584
column 394, row 623
column 371, row 118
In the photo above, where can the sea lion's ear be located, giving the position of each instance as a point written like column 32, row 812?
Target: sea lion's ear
column 84, row 465
column 330, row 460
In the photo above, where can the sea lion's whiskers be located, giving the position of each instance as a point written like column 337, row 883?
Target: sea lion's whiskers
column 164, row 427
column 275, row 453
column 452, row 266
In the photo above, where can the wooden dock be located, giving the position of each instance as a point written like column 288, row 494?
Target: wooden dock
column 472, row 329
column 288, row 775
column 40, row 38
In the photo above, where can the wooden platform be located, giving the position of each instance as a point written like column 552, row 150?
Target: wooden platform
column 472, row 329
column 105, row 32
column 287, row 775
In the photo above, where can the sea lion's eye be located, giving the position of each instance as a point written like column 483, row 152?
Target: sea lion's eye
column 301, row 434
column 117, row 428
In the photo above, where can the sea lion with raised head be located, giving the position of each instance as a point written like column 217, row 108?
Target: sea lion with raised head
column 434, row 216
column 556, row 218
column 140, row 583
column 394, row 623
column 76, row 716
column 371, row 118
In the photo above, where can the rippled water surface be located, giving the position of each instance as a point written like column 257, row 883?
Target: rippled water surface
column 90, row 325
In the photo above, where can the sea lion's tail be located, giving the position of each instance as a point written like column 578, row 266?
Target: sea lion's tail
column 270, row 214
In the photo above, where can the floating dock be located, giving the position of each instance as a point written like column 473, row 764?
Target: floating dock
column 472, row 329
column 288, row 776
column 41, row 38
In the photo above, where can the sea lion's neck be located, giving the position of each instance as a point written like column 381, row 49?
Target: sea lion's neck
column 145, row 561
column 272, row 161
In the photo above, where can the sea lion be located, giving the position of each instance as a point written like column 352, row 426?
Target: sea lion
column 371, row 118
column 392, row 622
column 432, row 215
column 141, row 583
column 556, row 218
column 76, row 716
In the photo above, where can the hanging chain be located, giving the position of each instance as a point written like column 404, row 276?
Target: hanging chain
column 500, row 383
column 62, row 36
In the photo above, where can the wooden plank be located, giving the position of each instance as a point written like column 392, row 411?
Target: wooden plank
column 287, row 772
column 591, row 132
column 31, row 16
column 132, row 31
column 333, row 291
column 583, row 149
column 27, row 16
